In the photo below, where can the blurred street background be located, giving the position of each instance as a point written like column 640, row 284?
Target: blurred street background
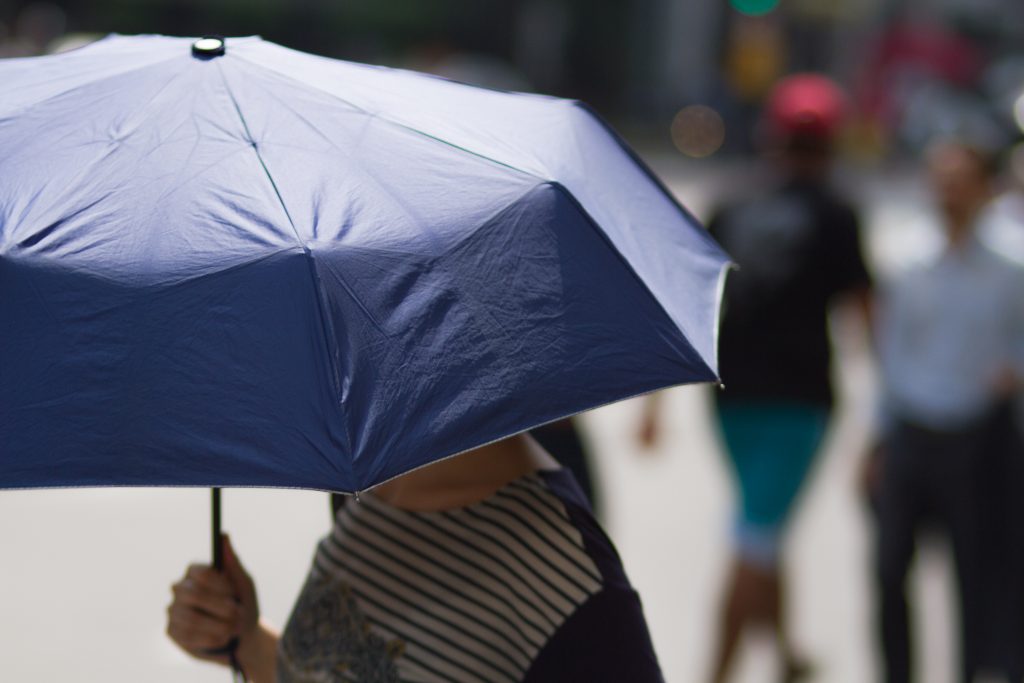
column 85, row 574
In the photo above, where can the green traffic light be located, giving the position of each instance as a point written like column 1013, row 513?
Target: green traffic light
column 754, row 7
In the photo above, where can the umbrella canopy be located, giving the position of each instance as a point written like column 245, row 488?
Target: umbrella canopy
column 268, row 268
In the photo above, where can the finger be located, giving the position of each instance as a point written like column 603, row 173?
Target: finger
column 207, row 579
column 212, row 604
column 200, row 621
column 193, row 595
column 206, row 575
column 196, row 642
column 195, row 631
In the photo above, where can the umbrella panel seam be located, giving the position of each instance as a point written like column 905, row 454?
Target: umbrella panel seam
column 396, row 123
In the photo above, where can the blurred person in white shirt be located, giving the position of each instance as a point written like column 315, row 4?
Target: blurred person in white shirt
column 951, row 348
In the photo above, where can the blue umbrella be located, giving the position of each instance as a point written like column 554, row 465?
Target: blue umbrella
column 227, row 263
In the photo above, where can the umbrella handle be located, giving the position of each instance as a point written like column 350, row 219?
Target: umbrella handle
column 218, row 546
column 218, row 564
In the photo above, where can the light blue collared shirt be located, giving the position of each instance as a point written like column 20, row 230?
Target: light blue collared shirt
column 946, row 331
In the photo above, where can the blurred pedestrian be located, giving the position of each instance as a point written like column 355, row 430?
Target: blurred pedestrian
column 797, row 245
column 951, row 346
column 487, row 566
column 1001, row 229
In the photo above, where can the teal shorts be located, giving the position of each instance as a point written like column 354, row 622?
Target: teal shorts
column 771, row 446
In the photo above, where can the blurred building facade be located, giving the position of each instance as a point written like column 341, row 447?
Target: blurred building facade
column 914, row 67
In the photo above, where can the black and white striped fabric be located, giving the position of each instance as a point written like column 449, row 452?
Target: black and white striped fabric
column 472, row 594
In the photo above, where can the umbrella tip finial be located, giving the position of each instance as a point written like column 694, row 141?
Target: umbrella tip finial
column 208, row 47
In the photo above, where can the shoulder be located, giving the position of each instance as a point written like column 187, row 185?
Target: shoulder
column 1004, row 261
column 1005, row 270
column 561, row 487
column 739, row 207
column 772, row 215
column 606, row 636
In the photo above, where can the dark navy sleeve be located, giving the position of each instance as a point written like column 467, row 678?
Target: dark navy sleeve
column 606, row 639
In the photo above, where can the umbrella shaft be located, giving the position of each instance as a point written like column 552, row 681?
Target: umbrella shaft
column 218, row 547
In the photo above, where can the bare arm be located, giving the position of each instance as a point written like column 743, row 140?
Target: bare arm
column 650, row 420
column 257, row 654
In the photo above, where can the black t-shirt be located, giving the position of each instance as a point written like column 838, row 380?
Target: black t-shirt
column 796, row 249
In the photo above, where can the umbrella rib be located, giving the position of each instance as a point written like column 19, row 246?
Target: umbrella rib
column 398, row 124
column 604, row 237
column 329, row 338
column 259, row 157
column 646, row 169
column 28, row 106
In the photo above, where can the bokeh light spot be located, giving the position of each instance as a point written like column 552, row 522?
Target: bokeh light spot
column 698, row 131
column 754, row 7
column 1018, row 111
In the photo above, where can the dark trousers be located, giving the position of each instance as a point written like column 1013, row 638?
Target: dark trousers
column 1001, row 512
column 928, row 480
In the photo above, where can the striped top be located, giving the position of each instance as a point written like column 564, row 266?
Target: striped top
column 475, row 594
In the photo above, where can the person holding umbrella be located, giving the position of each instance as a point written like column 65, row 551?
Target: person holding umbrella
column 255, row 267
column 485, row 567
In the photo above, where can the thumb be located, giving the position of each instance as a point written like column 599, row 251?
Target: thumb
column 234, row 571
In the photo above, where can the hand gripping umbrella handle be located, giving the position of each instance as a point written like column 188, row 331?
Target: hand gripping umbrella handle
column 218, row 564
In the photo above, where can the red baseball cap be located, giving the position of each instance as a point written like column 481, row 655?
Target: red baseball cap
column 806, row 105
